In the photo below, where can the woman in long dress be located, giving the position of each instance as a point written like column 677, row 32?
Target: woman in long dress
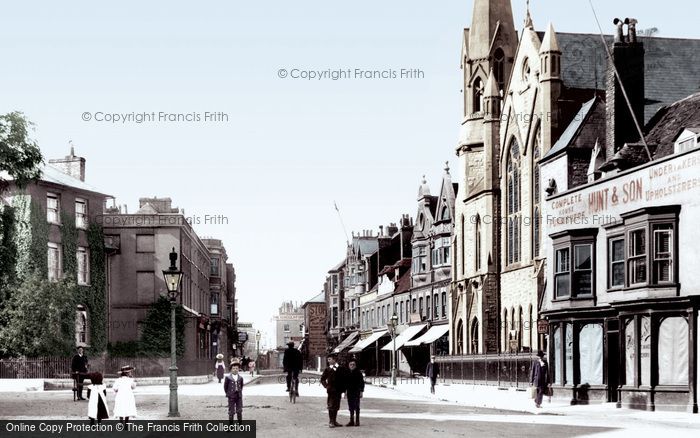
column 97, row 401
column 219, row 367
column 124, row 402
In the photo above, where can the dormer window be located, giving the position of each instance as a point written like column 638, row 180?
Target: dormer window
column 688, row 139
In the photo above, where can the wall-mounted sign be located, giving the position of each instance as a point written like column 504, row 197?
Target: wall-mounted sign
column 542, row 326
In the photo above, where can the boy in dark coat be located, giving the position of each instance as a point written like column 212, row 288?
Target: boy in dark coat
column 334, row 379
column 355, row 387
column 233, row 387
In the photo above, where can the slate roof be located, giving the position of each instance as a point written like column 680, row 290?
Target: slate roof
column 53, row 175
column 320, row 298
column 671, row 66
column 404, row 283
column 366, row 245
column 338, row 267
column 663, row 129
column 572, row 130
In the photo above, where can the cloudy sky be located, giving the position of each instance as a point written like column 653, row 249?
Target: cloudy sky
column 290, row 146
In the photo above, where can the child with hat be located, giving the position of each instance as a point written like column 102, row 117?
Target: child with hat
column 124, row 402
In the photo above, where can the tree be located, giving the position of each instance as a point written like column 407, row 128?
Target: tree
column 155, row 337
column 20, row 156
column 38, row 318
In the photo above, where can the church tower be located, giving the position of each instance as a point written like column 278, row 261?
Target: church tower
column 550, row 84
column 488, row 49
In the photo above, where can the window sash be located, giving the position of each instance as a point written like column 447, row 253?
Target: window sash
column 53, row 206
column 83, row 266
column 616, row 262
column 663, row 255
column 81, row 213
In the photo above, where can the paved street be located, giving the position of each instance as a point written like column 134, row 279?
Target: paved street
column 385, row 412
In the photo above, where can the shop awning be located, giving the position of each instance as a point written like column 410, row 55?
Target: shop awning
column 366, row 342
column 345, row 343
column 404, row 337
column 433, row 334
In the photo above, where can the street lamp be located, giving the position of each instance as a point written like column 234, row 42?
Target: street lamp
column 172, row 277
column 392, row 326
column 257, row 340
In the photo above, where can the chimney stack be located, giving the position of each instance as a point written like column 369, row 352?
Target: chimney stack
column 70, row 164
column 628, row 58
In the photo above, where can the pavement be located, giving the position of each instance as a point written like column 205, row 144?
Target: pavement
column 406, row 410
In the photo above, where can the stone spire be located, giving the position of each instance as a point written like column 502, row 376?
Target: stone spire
column 486, row 17
column 549, row 41
column 528, row 18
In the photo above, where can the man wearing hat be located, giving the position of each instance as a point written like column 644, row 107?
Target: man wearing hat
column 432, row 371
column 539, row 377
column 334, row 379
column 79, row 368
column 292, row 363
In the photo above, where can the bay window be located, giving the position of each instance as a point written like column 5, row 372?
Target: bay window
column 574, row 263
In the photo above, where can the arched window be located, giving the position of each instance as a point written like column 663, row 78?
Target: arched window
column 499, row 59
column 427, row 307
column 536, row 188
column 464, row 241
column 477, row 244
column 505, row 330
column 477, row 94
column 436, row 313
column 513, row 202
column 529, row 328
column 520, row 328
column 460, row 338
column 475, row 336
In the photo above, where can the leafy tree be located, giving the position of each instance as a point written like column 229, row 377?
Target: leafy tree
column 155, row 337
column 38, row 318
column 20, row 156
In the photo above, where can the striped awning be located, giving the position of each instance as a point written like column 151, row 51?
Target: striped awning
column 345, row 343
column 366, row 342
column 404, row 337
column 433, row 334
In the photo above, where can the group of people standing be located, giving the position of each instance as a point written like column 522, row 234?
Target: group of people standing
column 339, row 380
column 98, row 410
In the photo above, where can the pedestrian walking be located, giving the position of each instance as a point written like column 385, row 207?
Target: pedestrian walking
column 219, row 367
column 97, row 399
column 125, row 402
column 539, row 377
column 432, row 372
column 233, row 388
column 355, row 387
column 79, row 367
column 334, row 380
column 251, row 365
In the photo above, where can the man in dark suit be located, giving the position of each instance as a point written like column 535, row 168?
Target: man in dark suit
column 78, row 368
column 292, row 364
column 432, row 371
column 334, row 379
column 539, row 377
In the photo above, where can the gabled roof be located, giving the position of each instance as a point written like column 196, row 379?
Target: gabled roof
column 320, row 298
column 338, row 267
column 572, row 130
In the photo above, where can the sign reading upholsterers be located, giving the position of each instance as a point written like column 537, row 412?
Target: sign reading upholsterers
column 601, row 204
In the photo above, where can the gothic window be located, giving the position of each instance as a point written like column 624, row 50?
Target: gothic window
column 499, row 67
column 475, row 336
column 460, row 337
column 536, row 211
column 464, row 238
column 526, row 71
column 477, row 244
column 513, row 202
column 477, row 95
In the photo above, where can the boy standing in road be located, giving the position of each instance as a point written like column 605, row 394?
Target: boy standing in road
column 355, row 387
column 233, row 387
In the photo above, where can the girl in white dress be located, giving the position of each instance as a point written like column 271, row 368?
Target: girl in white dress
column 124, row 402
column 97, row 401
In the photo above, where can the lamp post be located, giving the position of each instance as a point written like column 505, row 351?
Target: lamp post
column 392, row 326
column 172, row 278
column 257, row 341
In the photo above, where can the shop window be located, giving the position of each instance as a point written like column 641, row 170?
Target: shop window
column 569, row 353
column 557, row 357
column 630, row 352
column 673, row 351
column 590, row 349
column 562, row 273
column 645, row 350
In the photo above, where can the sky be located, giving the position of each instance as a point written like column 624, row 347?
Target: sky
column 288, row 146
